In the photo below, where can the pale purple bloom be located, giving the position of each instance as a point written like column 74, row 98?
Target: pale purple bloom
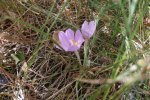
column 88, row 29
column 69, row 40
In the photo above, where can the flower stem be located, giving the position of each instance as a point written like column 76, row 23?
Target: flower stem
column 85, row 62
column 78, row 57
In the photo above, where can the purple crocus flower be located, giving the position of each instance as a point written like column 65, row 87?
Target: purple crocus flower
column 88, row 29
column 70, row 41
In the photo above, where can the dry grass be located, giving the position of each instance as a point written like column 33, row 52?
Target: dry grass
column 37, row 70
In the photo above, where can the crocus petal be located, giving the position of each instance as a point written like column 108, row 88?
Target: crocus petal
column 85, row 27
column 70, row 41
column 70, row 34
column 79, row 38
column 88, row 29
column 73, row 48
column 92, row 26
column 85, row 30
column 64, row 42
